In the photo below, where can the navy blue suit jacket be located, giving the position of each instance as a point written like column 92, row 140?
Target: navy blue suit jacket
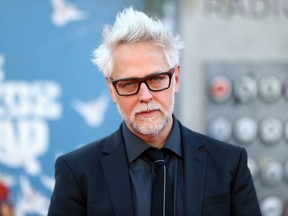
column 94, row 180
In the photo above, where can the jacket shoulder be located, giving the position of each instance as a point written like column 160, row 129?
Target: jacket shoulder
column 207, row 143
column 96, row 149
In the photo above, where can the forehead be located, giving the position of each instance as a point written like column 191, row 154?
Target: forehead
column 138, row 60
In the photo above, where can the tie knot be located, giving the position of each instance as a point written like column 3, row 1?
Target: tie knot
column 156, row 156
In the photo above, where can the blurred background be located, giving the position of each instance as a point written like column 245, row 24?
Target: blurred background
column 234, row 87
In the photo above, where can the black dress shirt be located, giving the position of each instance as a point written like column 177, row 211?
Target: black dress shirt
column 141, row 172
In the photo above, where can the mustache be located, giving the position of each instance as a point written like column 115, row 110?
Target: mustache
column 147, row 107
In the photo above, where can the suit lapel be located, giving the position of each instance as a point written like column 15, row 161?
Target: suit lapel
column 194, row 175
column 116, row 172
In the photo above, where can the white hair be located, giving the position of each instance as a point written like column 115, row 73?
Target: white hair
column 130, row 27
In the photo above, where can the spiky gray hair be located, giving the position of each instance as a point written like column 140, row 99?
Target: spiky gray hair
column 130, row 27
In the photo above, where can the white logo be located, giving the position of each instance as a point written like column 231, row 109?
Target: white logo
column 63, row 13
column 93, row 111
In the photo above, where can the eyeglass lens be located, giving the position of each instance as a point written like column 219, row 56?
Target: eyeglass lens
column 155, row 82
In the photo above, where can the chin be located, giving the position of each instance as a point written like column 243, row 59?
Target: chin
column 149, row 128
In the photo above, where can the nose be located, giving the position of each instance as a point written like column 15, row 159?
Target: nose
column 144, row 93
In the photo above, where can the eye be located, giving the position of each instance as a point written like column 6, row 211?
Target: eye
column 127, row 84
column 158, row 78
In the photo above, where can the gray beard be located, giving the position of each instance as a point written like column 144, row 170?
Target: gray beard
column 149, row 128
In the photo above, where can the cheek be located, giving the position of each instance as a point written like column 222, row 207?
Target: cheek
column 168, row 104
column 165, row 100
column 125, row 104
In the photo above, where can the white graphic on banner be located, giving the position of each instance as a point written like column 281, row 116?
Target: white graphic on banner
column 25, row 108
column 30, row 201
column 63, row 13
column 7, row 179
column 48, row 182
column 93, row 112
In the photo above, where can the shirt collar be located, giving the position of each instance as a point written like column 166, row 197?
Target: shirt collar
column 136, row 146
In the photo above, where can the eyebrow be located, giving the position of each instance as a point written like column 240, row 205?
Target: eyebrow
column 132, row 78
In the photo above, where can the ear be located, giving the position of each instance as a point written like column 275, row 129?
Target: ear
column 177, row 78
column 111, row 89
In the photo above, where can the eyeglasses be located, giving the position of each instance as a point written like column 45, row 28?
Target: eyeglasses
column 154, row 82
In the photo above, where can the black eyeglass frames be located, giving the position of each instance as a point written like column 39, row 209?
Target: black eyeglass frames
column 154, row 82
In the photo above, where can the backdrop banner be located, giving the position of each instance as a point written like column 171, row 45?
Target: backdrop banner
column 52, row 98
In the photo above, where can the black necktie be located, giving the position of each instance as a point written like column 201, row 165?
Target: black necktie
column 162, row 197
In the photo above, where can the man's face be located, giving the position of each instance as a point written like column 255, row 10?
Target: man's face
column 145, row 113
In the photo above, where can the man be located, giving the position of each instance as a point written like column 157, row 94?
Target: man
column 139, row 58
